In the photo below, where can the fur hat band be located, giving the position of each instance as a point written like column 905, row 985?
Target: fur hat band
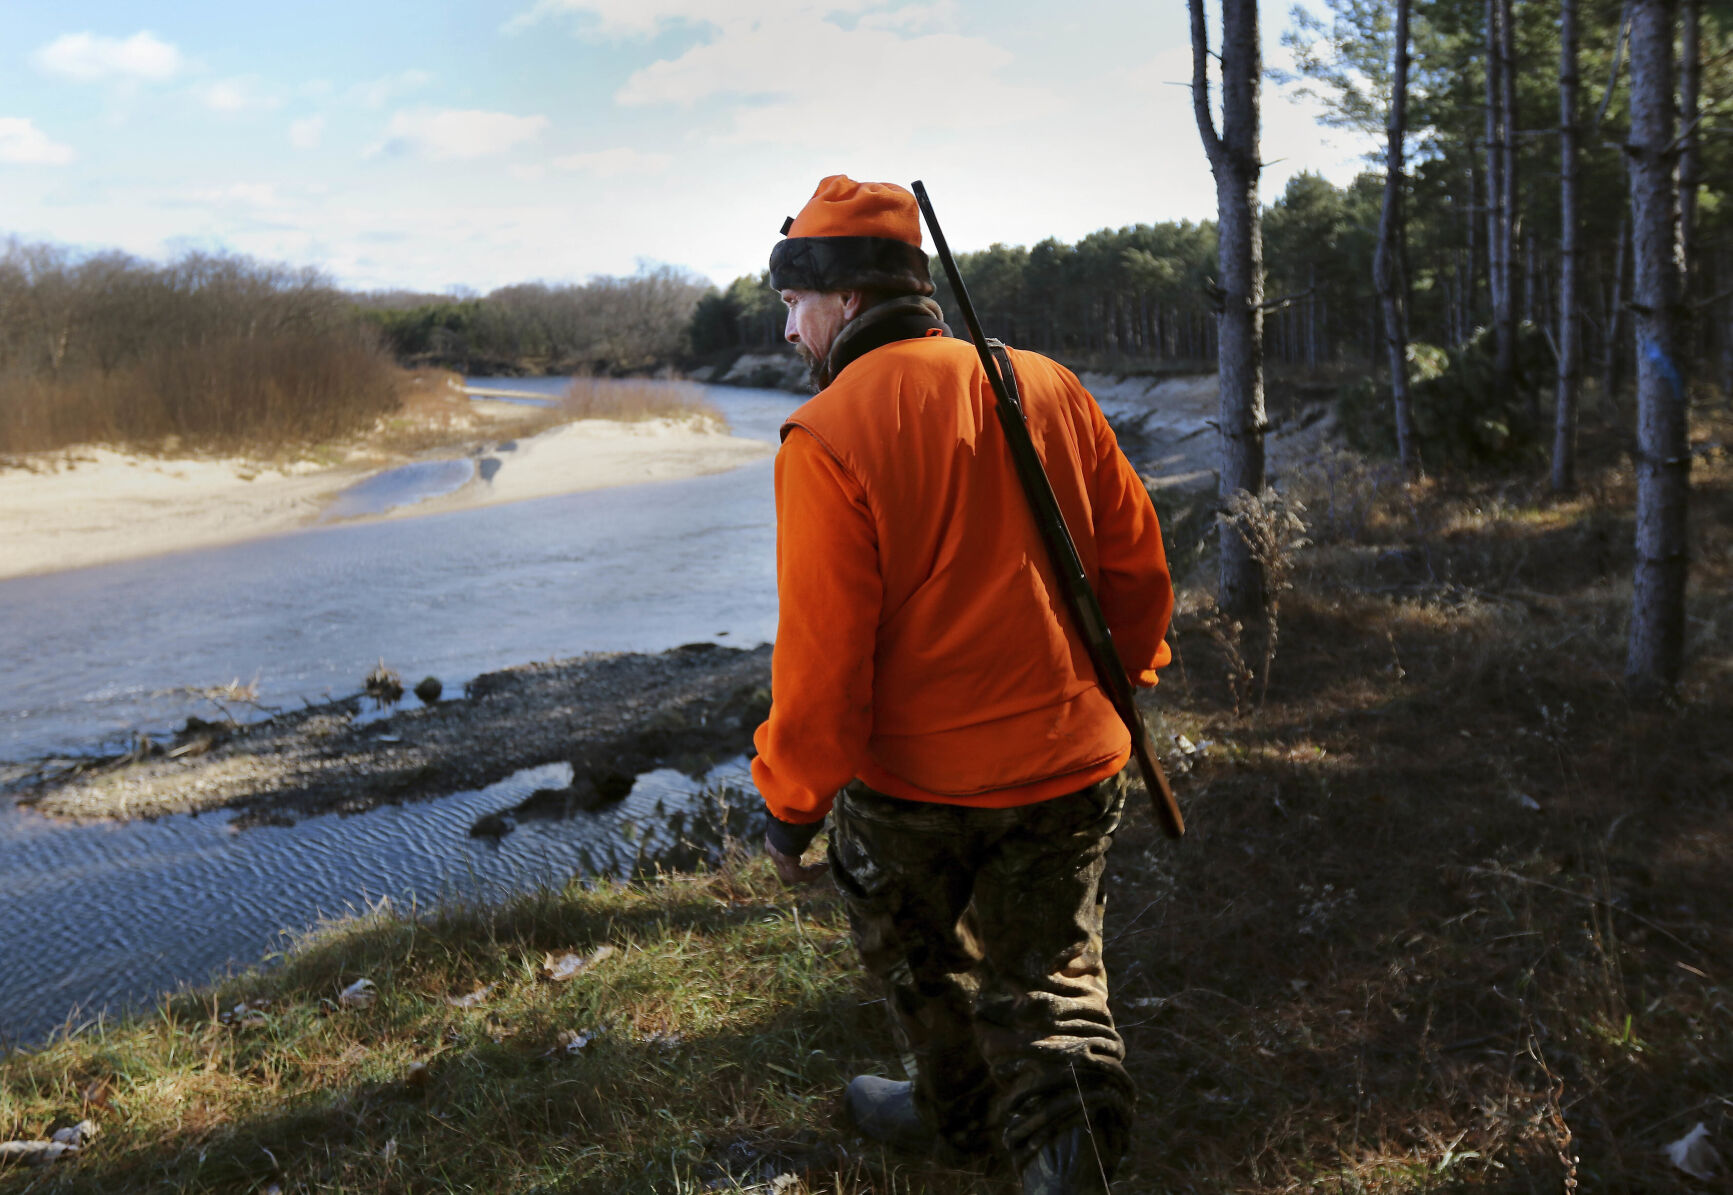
column 853, row 236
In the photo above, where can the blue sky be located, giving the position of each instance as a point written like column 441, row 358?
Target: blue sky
column 433, row 146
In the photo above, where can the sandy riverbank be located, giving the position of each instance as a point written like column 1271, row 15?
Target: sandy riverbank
column 95, row 505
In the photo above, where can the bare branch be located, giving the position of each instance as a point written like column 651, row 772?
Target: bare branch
column 1200, row 106
column 1618, row 59
column 1286, row 300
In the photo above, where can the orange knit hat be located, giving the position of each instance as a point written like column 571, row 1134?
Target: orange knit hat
column 853, row 236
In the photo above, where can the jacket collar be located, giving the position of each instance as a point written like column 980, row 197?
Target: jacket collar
column 908, row 317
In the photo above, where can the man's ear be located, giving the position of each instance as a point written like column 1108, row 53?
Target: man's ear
column 853, row 303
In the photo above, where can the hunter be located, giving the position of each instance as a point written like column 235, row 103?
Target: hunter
column 930, row 696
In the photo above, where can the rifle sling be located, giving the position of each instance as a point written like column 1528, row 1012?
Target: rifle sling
column 1074, row 587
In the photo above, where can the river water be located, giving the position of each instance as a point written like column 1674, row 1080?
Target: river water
column 108, row 915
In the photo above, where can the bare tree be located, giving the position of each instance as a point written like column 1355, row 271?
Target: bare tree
column 1564, row 443
column 1615, row 315
column 1690, row 164
column 1388, row 274
column 1498, row 194
column 1657, row 634
column 1509, row 207
column 1243, row 589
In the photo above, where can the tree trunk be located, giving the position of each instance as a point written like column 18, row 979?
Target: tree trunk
column 1388, row 275
column 1233, row 154
column 1690, row 88
column 1725, row 330
column 1471, row 297
column 1657, row 635
column 1510, row 217
column 1564, row 440
column 1498, row 274
column 1615, row 320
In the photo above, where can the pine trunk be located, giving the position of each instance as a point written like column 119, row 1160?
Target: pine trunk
column 1497, row 265
column 1690, row 89
column 1388, row 276
column 1615, row 319
column 1509, row 218
column 1657, row 633
column 1564, row 443
column 1233, row 153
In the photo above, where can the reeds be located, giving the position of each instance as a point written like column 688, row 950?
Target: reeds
column 636, row 399
column 229, row 395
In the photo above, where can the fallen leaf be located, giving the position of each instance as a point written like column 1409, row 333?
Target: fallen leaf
column 569, row 964
column 360, row 994
column 1694, row 1154
column 471, row 1000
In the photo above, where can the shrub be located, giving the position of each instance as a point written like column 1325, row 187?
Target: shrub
column 1461, row 415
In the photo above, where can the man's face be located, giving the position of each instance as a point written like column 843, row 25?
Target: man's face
column 814, row 318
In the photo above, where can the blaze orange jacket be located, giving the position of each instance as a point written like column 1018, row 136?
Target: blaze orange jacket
column 921, row 643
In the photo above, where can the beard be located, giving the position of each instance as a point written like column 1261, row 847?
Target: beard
column 817, row 373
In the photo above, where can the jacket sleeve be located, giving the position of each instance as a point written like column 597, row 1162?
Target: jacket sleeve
column 1135, row 590
column 829, row 593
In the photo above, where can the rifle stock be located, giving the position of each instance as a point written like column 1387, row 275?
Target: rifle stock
column 1074, row 585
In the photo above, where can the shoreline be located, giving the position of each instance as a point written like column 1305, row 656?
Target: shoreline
column 611, row 715
column 93, row 505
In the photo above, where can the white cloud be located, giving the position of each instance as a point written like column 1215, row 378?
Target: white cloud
column 235, row 95
column 237, row 194
column 799, row 80
column 914, row 18
column 23, row 144
column 612, row 163
column 446, row 133
column 305, row 133
column 376, row 93
column 1291, row 139
column 641, row 18
column 87, row 58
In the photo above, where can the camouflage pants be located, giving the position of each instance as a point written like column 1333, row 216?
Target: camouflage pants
column 984, row 926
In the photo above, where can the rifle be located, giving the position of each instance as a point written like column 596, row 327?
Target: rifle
column 1074, row 587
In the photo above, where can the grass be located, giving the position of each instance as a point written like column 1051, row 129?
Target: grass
column 1452, row 915
column 635, row 399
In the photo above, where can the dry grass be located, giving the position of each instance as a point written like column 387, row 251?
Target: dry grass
column 434, row 413
column 1451, row 916
column 262, row 394
column 635, row 399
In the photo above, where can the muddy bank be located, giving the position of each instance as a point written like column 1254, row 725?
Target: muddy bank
column 611, row 716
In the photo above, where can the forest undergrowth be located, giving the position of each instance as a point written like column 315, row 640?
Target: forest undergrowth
column 1451, row 915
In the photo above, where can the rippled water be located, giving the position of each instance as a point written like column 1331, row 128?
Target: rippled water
column 95, row 916
column 109, row 915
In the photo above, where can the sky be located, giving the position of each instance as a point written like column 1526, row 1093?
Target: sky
column 474, row 144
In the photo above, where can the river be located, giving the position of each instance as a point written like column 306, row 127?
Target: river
column 108, row 915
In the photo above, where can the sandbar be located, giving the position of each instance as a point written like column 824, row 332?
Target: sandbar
column 95, row 505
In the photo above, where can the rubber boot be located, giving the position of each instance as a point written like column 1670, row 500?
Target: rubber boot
column 884, row 1110
column 1067, row 1165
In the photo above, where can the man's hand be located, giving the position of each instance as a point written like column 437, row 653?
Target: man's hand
column 790, row 870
